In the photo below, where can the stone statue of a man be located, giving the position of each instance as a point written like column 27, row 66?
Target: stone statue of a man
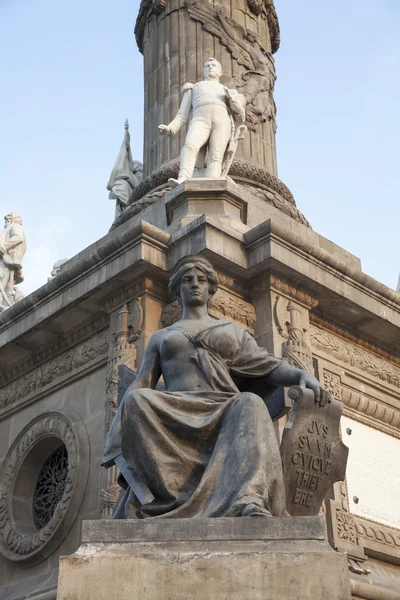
column 216, row 113
column 12, row 250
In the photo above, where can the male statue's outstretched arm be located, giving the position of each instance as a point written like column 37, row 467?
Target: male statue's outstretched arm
column 183, row 113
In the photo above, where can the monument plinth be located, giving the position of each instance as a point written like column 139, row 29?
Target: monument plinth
column 213, row 559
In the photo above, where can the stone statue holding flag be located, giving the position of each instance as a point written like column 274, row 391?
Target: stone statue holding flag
column 125, row 176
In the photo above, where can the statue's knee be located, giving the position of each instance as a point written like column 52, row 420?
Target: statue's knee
column 135, row 402
column 216, row 155
column 190, row 148
column 250, row 399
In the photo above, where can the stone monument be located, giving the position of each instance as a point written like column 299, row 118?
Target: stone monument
column 200, row 448
column 12, row 251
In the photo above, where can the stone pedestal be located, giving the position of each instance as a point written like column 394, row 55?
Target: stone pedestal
column 220, row 198
column 246, row 558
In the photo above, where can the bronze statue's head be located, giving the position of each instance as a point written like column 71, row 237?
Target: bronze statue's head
column 212, row 69
column 193, row 261
column 12, row 217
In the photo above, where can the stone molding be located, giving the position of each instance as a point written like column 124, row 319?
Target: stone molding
column 64, row 364
column 49, row 352
column 355, row 355
column 387, row 538
column 371, row 412
column 29, row 545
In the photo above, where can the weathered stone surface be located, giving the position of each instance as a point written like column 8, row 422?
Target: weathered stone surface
column 313, row 455
column 212, row 530
column 217, row 559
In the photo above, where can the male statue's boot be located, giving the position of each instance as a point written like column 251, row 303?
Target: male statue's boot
column 188, row 161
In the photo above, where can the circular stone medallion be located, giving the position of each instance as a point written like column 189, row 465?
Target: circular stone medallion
column 42, row 484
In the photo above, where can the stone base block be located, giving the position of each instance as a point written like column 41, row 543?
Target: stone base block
column 248, row 558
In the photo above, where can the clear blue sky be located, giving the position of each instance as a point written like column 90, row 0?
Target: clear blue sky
column 71, row 74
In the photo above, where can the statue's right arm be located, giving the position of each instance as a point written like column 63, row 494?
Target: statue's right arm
column 183, row 113
column 150, row 370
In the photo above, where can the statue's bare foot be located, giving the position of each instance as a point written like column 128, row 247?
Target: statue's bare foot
column 174, row 182
column 253, row 510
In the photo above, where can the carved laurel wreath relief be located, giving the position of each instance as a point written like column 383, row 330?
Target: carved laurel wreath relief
column 42, row 485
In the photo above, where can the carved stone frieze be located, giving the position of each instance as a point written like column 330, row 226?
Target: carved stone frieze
column 354, row 355
column 44, row 354
column 354, row 339
column 257, row 79
column 66, row 363
column 229, row 306
column 266, row 9
column 22, row 541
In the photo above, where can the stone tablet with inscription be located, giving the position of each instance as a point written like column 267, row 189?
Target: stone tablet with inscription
column 313, row 455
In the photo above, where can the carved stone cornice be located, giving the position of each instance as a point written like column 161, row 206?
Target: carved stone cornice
column 46, row 353
column 371, row 412
column 32, row 382
column 355, row 353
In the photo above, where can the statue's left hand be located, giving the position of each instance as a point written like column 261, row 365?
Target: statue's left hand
column 322, row 396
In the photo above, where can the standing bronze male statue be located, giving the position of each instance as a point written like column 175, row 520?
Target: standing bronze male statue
column 202, row 447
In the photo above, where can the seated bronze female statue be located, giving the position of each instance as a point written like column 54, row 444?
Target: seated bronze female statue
column 202, row 447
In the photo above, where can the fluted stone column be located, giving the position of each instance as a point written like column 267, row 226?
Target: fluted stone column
column 176, row 37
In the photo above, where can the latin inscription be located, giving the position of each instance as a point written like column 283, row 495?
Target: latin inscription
column 312, row 458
